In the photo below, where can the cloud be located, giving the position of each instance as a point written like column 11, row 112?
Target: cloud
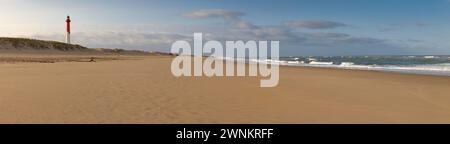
column 331, row 35
column 213, row 13
column 422, row 24
column 386, row 29
column 244, row 30
column 415, row 41
column 292, row 39
column 109, row 39
column 315, row 24
column 239, row 29
column 395, row 27
column 230, row 17
column 330, row 39
column 243, row 25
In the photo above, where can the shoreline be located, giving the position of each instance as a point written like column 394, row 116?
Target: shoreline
column 145, row 91
column 84, row 57
column 365, row 70
column 76, row 57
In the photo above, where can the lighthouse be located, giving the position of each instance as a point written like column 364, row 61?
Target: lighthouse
column 68, row 30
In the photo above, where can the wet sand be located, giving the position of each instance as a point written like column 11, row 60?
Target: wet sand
column 143, row 90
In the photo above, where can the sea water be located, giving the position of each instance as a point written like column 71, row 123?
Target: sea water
column 429, row 64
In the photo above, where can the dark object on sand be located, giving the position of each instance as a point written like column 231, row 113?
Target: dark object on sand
column 92, row 59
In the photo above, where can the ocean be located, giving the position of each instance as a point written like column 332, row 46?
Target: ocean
column 429, row 65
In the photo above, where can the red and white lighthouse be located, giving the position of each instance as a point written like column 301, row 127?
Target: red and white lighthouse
column 68, row 30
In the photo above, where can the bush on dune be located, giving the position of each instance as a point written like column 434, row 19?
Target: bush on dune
column 24, row 43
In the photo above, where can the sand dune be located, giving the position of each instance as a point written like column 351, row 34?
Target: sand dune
column 144, row 91
column 39, row 48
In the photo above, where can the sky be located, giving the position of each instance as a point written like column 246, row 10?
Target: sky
column 303, row 27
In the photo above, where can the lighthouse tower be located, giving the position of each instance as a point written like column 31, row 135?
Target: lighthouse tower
column 68, row 30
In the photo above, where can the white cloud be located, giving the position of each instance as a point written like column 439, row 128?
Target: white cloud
column 315, row 24
column 133, row 40
column 210, row 13
column 234, row 27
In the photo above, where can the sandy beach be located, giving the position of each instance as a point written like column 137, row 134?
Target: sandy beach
column 143, row 90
